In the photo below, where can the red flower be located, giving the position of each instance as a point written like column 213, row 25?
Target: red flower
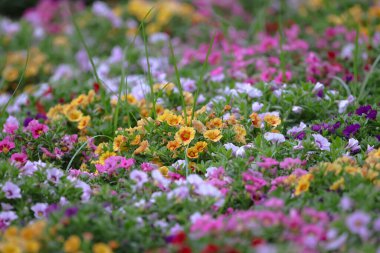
column 184, row 249
column 211, row 248
column 179, row 238
column 257, row 241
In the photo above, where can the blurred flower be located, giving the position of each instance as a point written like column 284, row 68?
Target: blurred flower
column 11, row 190
column 321, row 142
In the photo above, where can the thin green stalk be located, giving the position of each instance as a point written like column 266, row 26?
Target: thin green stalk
column 18, row 84
column 369, row 74
column 179, row 85
column 150, row 79
column 81, row 147
column 200, row 79
column 282, row 53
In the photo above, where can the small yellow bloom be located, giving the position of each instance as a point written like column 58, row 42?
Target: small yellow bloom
column 32, row 246
column 198, row 126
column 74, row 115
column 141, row 149
column 200, row 146
column 174, row 120
column 339, row 184
column 119, row 143
column 72, row 244
column 10, row 248
column 173, row 145
column 185, row 135
column 272, row 120
column 84, row 122
column 101, row 248
column 164, row 171
column 256, row 121
column 104, row 156
column 136, row 140
column 215, row 123
column 192, row 153
column 10, row 74
column 213, row 135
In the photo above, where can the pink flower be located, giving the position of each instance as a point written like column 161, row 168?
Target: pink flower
column 11, row 191
column 289, row 163
column 113, row 163
column 6, row 218
column 11, row 125
column 6, row 145
column 267, row 163
column 36, row 128
column 357, row 223
column 18, row 159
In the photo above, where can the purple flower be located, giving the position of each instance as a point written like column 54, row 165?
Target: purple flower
column 321, row 142
column 140, row 177
column 357, row 223
column 368, row 111
column 54, row 175
column 71, row 211
column 6, row 218
column 274, row 137
column 353, row 145
column 351, row 130
column 39, row 210
column 11, row 191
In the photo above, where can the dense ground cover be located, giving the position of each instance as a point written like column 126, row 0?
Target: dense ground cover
column 190, row 126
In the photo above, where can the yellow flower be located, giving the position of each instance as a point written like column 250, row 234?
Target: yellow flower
column 143, row 146
column 213, row 135
column 192, row 153
column 215, row 123
column 12, row 231
column 10, row 248
column 164, row 171
column 272, row 120
column 104, row 156
column 136, row 140
column 10, row 74
column 200, row 146
column 199, row 126
column 240, row 133
column 119, row 143
column 174, row 120
column 185, row 135
column 101, row 248
column 81, row 100
column 72, row 244
column 100, row 148
column 256, row 121
column 84, row 122
column 74, row 115
column 173, row 145
column 55, row 112
column 339, row 184
column 303, row 184
column 32, row 246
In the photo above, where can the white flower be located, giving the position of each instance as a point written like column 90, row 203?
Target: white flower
column 274, row 137
column 256, row 106
column 140, row 177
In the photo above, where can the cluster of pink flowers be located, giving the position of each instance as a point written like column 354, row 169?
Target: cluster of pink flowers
column 113, row 163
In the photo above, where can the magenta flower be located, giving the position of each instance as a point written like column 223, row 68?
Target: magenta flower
column 267, row 163
column 321, row 142
column 11, row 125
column 39, row 210
column 289, row 163
column 11, row 190
column 113, row 163
column 36, row 128
column 6, row 145
column 18, row 159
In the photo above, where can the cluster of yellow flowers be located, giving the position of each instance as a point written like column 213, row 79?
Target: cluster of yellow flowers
column 161, row 12
column 15, row 62
column 27, row 239
column 72, row 112
column 357, row 16
column 73, row 245
column 342, row 166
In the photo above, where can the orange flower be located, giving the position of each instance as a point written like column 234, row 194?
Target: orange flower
column 199, row 126
column 213, row 135
column 272, row 120
column 200, row 146
column 136, row 140
column 192, row 153
column 173, row 145
column 256, row 121
column 185, row 135
column 215, row 123
column 119, row 143
column 143, row 146
column 84, row 122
